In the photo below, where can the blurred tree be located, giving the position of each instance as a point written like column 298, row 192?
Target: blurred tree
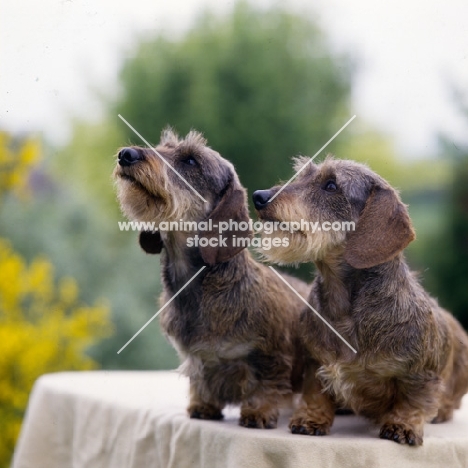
column 262, row 86
column 86, row 163
column 448, row 251
column 15, row 166
column 44, row 327
column 81, row 238
column 369, row 146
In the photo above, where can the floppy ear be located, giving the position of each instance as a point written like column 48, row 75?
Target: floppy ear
column 232, row 206
column 384, row 229
column 151, row 242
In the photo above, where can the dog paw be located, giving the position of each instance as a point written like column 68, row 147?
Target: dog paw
column 443, row 415
column 401, row 433
column 258, row 421
column 205, row 412
column 308, row 427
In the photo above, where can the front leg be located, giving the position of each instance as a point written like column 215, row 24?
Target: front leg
column 416, row 402
column 259, row 412
column 403, row 425
column 266, row 386
column 316, row 414
column 204, row 407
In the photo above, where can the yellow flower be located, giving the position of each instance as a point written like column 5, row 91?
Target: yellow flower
column 43, row 329
column 43, row 325
column 16, row 162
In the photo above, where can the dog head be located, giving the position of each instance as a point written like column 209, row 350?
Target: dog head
column 337, row 196
column 168, row 185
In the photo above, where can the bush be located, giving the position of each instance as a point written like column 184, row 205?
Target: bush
column 43, row 325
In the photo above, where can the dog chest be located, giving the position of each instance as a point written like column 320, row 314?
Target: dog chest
column 353, row 383
column 222, row 371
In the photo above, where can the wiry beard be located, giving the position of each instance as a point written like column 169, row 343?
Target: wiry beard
column 150, row 197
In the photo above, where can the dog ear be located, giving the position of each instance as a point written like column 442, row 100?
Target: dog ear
column 384, row 229
column 232, row 206
column 151, row 242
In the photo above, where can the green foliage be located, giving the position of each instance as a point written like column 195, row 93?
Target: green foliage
column 16, row 161
column 375, row 149
column 446, row 251
column 262, row 85
column 448, row 258
column 84, row 241
column 44, row 326
column 86, row 163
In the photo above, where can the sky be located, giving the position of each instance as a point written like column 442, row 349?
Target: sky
column 58, row 56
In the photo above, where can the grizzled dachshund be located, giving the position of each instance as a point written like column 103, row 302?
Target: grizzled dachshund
column 411, row 364
column 235, row 326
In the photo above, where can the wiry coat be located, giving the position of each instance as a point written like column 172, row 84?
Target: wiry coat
column 411, row 364
column 235, row 325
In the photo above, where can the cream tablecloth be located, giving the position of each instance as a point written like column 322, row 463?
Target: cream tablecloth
column 138, row 420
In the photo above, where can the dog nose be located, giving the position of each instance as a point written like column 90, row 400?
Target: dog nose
column 128, row 156
column 261, row 198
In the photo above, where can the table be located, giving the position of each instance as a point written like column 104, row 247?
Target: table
column 138, row 420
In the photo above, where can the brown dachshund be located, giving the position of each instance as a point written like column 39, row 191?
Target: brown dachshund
column 235, row 326
column 411, row 364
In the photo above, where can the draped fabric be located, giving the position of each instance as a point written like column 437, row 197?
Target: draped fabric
column 138, row 420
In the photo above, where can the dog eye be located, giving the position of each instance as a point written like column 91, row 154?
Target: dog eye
column 190, row 161
column 330, row 186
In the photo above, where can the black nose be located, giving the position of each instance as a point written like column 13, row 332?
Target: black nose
column 261, row 198
column 129, row 156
